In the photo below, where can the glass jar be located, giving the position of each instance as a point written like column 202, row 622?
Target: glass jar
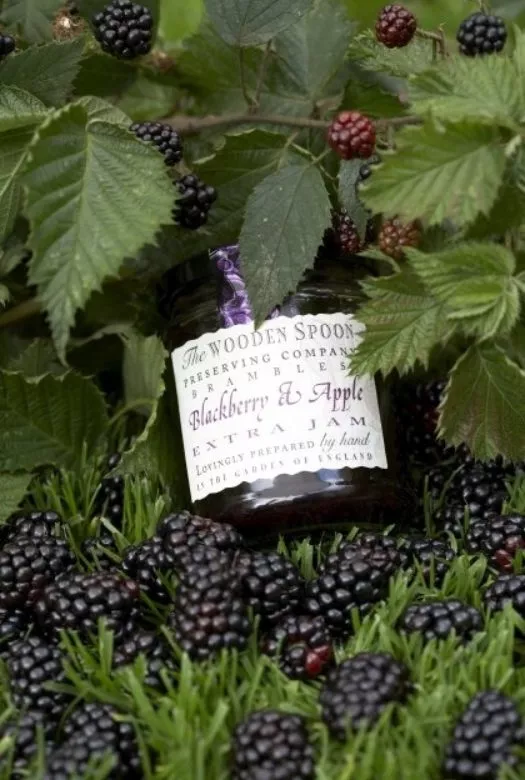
column 277, row 435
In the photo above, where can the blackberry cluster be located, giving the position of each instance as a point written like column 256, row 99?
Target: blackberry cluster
column 154, row 648
column 507, row 589
column 437, row 620
column 350, row 579
column 124, row 29
column 209, row 612
column 164, row 137
column 24, row 731
column 395, row 26
column 27, row 565
column 109, row 501
column 271, row 584
column 34, row 524
column 7, row 45
column 481, row 34
column 432, row 556
column 395, row 236
column 301, row 645
column 77, row 601
column 93, row 732
column 33, row 664
column 182, row 532
column 270, row 744
column 498, row 537
column 352, row 135
column 194, row 201
column 356, row 692
column 484, row 738
column 147, row 563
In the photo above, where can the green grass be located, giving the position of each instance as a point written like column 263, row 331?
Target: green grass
column 184, row 733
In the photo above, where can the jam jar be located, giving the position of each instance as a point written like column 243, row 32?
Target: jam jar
column 278, row 434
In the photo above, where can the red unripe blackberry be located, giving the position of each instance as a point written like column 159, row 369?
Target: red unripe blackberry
column 301, row 645
column 395, row 26
column 272, row 745
column 352, row 135
column 395, row 236
column 346, row 234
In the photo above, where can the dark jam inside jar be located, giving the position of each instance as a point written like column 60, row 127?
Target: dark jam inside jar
column 210, row 297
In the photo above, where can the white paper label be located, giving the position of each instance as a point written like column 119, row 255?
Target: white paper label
column 278, row 400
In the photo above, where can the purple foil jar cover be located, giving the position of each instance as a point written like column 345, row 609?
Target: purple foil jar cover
column 232, row 296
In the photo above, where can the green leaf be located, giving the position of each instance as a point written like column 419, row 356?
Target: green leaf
column 143, row 366
column 178, row 21
column 403, row 324
column 482, row 89
column 251, row 22
column 371, row 100
column 312, row 51
column 286, row 217
column 95, row 195
column 37, row 359
column 507, row 211
column 450, row 171
column 414, row 58
column 14, row 148
column 48, row 420
column 13, row 488
column 148, row 99
column 348, row 196
column 31, row 19
column 475, row 283
column 96, row 108
column 47, row 72
column 19, row 109
column 104, row 76
column 484, row 404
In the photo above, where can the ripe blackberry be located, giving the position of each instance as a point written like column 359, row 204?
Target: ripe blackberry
column 484, row 738
column 109, row 500
column 91, row 732
column 157, row 652
column 395, row 26
column 301, row 645
column 77, row 602
column 271, row 584
column 395, row 236
column 182, row 532
column 417, row 410
column 358, row 690
column 499, row 538
column 164, row 137
column 94, row 549
column 194, row 201
column 13, row 625
column 27, row 565
column 451, row 518
column 209, row 612
column 347, row 237
column 480, row 488
column 437, row 619
column 24, row 732
column 352, row 135
column 34, row 524
column 146, row 563
column 7, row 45
column 33, row 664
column 350, row 579
column 431, row 555
column 271, row 744
column 481, row 34
column 507, row 589
column 124, row 29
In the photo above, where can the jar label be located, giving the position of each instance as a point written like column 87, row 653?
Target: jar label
column 255, row 404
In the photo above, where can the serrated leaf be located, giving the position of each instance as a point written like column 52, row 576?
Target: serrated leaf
column 311, row 51
column 372, row 100
column 143, row 366
column 475, row 283
column 403, row 324
column 37, row 359
column 13, row 488
column 47, row 72
column 484, row 404
column 481, row 89
column 507, row 211
column 95, row 68
column 14, row 148
column 372, row 55
column 31, row 19
column 19, row 109
column 48, row 420
column 147, row 99
column 286, row 217
column 439, row 172
column 96, row 108
column 95, row 195
column 252, row 22
column 348, row 196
